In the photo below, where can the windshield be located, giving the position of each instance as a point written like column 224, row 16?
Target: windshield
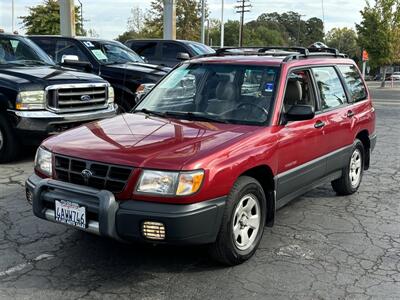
column 21, row 51
column 210, row 92
column 112, row 52
column 201, row 49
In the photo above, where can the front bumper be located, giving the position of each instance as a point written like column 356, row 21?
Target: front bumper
column 184, row 224
column 47, row 122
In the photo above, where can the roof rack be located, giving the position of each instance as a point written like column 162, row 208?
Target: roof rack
column 289, row 53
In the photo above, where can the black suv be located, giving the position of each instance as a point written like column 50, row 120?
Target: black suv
column 168, row 52
column 127, row 72
column 37, row 98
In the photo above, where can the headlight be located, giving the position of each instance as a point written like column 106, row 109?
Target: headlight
column 44, row 162
column 29, row 100
column 170, row 183
column 111, row 94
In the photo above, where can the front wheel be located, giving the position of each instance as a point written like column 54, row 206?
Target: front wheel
column 352, row 174
column 243, row 223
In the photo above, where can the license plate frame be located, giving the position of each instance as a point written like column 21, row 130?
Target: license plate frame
column 70, row 213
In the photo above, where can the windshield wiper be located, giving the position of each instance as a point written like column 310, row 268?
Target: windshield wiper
column 195, row 116
column 27, row 62
column 151, row 112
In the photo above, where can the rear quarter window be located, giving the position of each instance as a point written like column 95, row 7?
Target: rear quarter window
column 354, row 82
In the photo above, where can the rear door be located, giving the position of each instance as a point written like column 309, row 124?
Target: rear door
column 301, row 145
column 339, row 116
column 147, row 49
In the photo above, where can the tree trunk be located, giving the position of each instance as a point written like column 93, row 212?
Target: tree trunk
column 383, row 77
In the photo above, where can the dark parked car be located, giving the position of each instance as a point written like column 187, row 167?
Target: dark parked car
column 212, row 151
column 128, row 73
column 168, row 52
column 38, row 98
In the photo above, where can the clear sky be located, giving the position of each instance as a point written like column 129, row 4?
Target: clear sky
column 109, row 18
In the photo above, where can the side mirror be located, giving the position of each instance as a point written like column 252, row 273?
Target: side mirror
column 300, row 113
column 76, row 64
column 183, row 56
column 69, row 57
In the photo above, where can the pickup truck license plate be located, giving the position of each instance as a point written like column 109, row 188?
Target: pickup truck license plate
column 70, row 213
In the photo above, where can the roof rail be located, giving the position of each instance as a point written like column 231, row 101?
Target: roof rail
column 289, row 53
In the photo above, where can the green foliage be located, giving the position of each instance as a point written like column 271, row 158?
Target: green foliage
column 378, row 31
column 345, row 40
column 45, row 19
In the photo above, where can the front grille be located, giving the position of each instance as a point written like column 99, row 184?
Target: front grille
column 68, row 98
column 103, row 176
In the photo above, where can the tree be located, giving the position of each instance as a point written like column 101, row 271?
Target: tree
column 378, row 33
column 345, row 40
column 45, row 19
column 188, row 19
column 313, row 32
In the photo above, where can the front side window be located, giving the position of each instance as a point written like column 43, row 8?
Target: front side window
column 21, row 52
column 299, row 90
column 222, row 93
column 147, row 50
column 65, row 47
column 330, row 87
column 112, row 52
column 171, row 50
column 354, row 82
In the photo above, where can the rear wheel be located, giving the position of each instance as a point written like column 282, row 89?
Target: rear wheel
column 243, row 223
column 8, row 142
column 352, row 173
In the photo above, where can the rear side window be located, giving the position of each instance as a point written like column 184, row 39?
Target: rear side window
column 47, row 45
column 354, row 82
column 330, row 87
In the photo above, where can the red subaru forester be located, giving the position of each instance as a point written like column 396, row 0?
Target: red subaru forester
column 212, row 151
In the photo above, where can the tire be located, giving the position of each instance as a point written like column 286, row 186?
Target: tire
column 246, row 199
column 352, row 174
column 8, row 142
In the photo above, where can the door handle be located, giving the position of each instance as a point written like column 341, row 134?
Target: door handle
column 319, row 124
column 350, row 113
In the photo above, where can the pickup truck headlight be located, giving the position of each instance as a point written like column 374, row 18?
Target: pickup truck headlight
column 30, row 100
column 44, row 162
column 111, row 96
column 170, row 183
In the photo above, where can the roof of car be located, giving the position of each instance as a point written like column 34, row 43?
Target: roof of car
column 270, row 60
column 162, row 40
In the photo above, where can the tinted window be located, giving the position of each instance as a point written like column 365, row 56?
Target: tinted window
column 200, row 49
column 64, row 47
column 144, row 49
column 354, row 82
column 330, row 87
column 170, row 50
column 47, row 45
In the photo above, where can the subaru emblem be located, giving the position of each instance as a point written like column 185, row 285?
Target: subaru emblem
column 86, row 174
column 85, row 98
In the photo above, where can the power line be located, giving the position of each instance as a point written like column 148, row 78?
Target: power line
column 242, row 7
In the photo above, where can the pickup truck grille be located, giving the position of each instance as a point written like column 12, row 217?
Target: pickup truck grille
column 77, row 97
column 98, row 175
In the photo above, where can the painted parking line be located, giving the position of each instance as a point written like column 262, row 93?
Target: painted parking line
column 22, row 266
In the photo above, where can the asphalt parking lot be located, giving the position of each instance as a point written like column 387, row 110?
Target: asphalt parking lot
column 322, row 246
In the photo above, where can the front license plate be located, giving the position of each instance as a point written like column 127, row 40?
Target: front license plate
column 70, row 213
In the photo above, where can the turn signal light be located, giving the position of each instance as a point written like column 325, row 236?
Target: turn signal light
column 153, row 230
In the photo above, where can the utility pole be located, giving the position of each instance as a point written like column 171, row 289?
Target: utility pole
column 222, row 24
column 67, row 17
column 243, row 7
column 12, row 16
column 169, row 20
column 203, row 17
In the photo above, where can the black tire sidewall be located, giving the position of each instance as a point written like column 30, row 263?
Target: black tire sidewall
column 357, row 145
column 246, row 186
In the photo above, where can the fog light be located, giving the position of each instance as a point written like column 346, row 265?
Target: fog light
column 153, row 230
column 29, row 196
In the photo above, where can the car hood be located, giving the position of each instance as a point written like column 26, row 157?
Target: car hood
column 134, row 68
column 44, row 75
column 141, row 141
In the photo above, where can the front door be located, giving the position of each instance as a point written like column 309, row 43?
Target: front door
column 302, row 144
